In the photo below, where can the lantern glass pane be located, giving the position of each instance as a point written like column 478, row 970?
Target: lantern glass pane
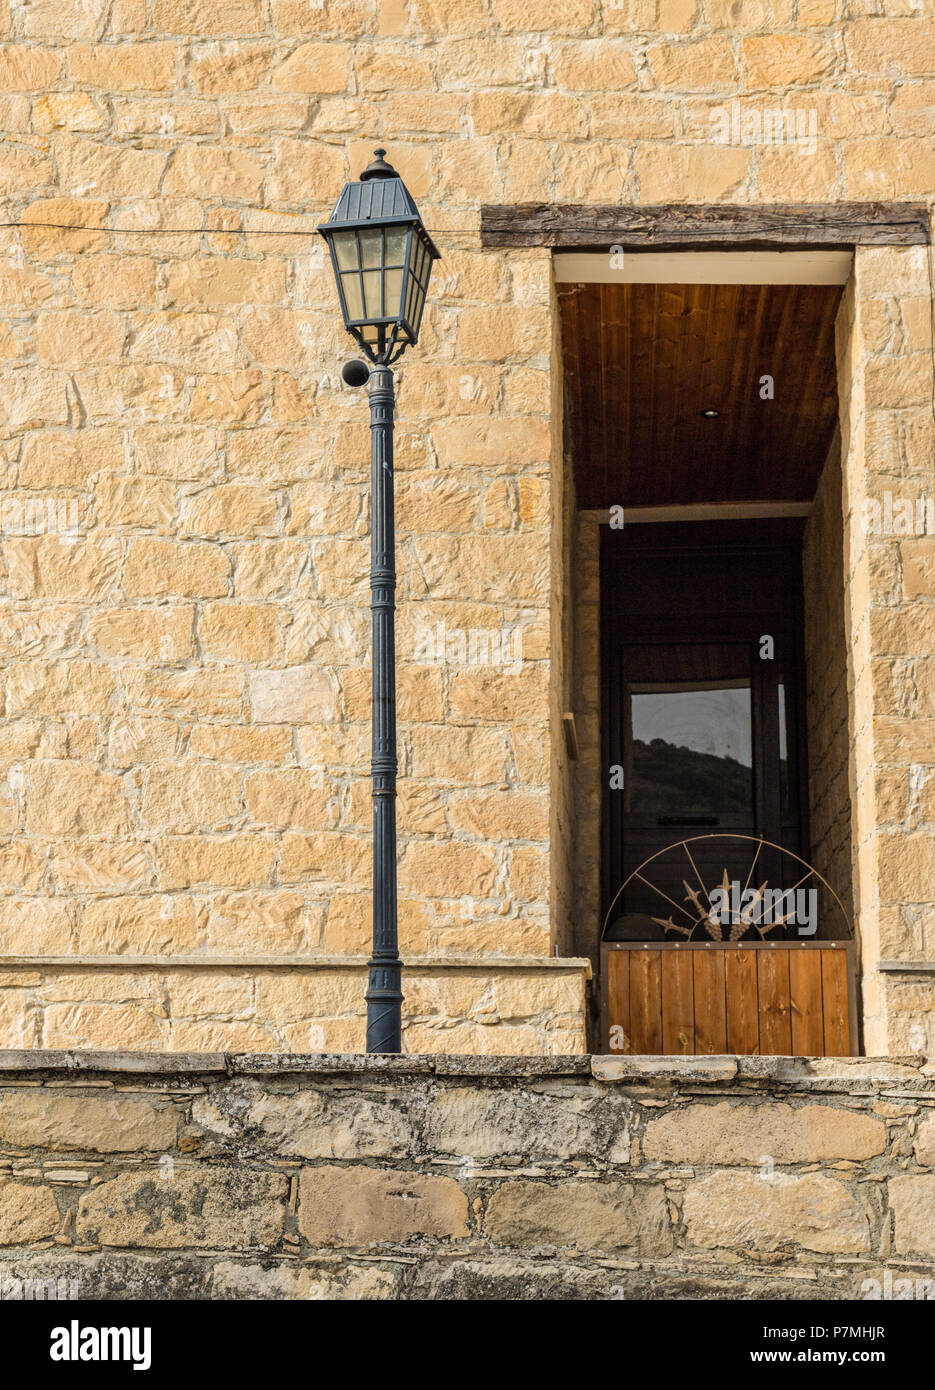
column 425, row 270
column 394, row 289
column 371, row 248
column 352, row 295
column 373, row 294
column 417, row 303
column 417, row 317
column 412, row 287
column 345, row 250
column 396, row 245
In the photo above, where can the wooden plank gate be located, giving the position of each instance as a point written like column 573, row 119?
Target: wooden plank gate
column 769, row 998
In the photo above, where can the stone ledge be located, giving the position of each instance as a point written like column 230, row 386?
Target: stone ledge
column 916, row 1073
column 283, row 1063
column 484, row 964
column 695, row 1069
column 453, row 1065
column 154, row 1063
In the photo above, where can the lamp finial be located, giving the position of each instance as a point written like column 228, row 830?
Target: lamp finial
column 378, row 168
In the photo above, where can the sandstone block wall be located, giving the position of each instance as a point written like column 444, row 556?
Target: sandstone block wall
column 183, row 479
column 209, row 1176
column 826, row 699
column 185, row 644
column 888, row 433
column 589, row 768
column 294, row 1003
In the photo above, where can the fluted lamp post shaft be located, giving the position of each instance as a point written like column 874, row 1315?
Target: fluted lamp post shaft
column 384, row 993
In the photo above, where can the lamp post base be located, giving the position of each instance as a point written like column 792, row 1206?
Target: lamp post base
column 384, row 1006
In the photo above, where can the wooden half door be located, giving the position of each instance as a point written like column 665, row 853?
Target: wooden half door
column 786, row 1000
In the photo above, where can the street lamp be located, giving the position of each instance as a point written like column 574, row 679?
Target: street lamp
column 382, row 258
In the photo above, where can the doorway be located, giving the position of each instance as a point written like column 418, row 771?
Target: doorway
column 702, row 448
column 703, row 700
column 717, row 936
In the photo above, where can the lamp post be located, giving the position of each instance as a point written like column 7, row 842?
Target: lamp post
column 382, row 258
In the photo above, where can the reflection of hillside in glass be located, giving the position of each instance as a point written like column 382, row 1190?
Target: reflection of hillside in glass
column 671, row 780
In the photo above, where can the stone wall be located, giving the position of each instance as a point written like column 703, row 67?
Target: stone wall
column 562, row 898
column 185, row 668
column 183, row 478
column 210, row 1176
column 589, row 772
column 294, row 1004
column 826, row 708
column 888, row 441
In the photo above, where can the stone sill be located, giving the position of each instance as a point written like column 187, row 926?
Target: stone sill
column 573, row 964
column 915, row 1074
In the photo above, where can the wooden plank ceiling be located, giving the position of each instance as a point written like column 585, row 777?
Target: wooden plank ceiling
column 643, row 361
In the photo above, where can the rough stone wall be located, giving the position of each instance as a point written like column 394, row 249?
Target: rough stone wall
column 884, row 351
column 293, row 1004
column 602, row 1178
column 185, row 677
column 562, row 904
column 826, row 701
column 186, row 739
column 857, row 592
column 586, row 588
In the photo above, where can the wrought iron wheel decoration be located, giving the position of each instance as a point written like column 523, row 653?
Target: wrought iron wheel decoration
column 722, row 913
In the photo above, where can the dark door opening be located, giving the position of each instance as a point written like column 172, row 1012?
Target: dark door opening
column 704, row 707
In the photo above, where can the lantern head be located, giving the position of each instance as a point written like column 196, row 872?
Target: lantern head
column 382, row 258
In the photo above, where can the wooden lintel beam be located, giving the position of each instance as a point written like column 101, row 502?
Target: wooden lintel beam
column 790, row 226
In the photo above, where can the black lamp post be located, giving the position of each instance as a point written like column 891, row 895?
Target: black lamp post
column 382, row 258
